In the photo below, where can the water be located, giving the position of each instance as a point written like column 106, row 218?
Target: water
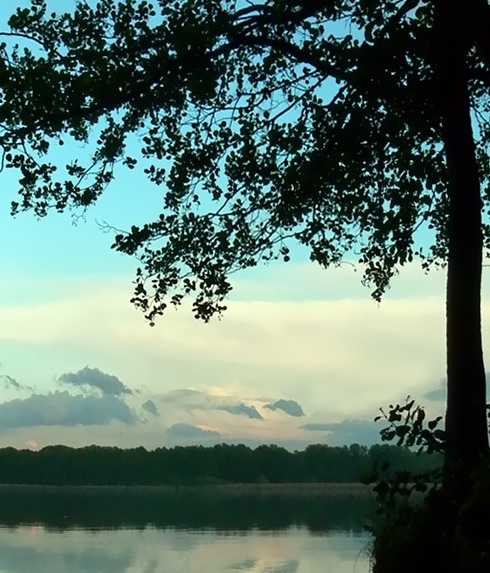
column 272, row 535
column 35, row 548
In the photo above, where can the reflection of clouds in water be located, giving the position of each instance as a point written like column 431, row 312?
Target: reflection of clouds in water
column 244, row 565
column 286, row 567
column 179, row 543
column 18, row 559
column 178, row 551
column 265, row 566
column 151, row 566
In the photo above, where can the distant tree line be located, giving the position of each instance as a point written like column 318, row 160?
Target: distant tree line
column 197, row 465
column 194, row 465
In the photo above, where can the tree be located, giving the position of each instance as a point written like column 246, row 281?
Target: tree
column 345, row 125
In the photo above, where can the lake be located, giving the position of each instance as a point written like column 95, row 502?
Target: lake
column 181, row 532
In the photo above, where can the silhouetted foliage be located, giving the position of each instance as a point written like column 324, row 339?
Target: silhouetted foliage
column 197, row 465
column 418, row 521
column 343, row 125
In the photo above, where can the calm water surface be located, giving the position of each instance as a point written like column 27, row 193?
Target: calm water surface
column 99, row 531
column 35, row 548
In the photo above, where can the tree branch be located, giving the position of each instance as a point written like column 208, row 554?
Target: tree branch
column 480, row 24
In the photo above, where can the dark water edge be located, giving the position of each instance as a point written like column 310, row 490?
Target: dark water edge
column 318, row 507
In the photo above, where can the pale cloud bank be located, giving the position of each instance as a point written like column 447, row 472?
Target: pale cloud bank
column 346, row 356
column 347, row 432
column 247, row 376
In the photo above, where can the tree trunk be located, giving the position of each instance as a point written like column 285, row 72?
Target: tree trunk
column 466, row 429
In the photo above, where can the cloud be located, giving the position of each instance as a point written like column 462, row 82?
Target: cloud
column 189, row 399
column 348, row 431
column 150, row 407
column 290, row 407
column 317, row 427
column 94, row 378
column 242, row 409
column 182, row 393
column 10, row 383
column 292, row 342
column 196, row 400
column 436, row 395
column 63, row 409
column 181, row 430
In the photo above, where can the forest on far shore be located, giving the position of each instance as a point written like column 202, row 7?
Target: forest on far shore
column 199, row 465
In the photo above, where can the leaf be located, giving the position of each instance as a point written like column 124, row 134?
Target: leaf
column 433, row 423
column 387, row 435
column 258, row 125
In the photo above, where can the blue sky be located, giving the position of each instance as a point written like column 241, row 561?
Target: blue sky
column 292, row 332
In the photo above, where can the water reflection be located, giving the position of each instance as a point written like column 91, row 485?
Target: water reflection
column 152, row 550
column 184, row 531
column 61, row 509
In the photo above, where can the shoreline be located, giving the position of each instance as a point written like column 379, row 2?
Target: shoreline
column 310, row 489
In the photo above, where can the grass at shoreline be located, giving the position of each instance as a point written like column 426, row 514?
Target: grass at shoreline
column 231, row 507
column 293, row 489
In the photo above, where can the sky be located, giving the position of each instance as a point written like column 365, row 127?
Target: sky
column 302, row 355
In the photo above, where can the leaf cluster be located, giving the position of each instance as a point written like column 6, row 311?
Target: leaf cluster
column 412, row 505
column 407, row 426
column 262, row 124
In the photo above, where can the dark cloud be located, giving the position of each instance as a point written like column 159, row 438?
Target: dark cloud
column 94, row 378
column 242, row 409
column 290, row 407
column 189, row 431
column 10, row 383
column 63, row 409
column 150, row 407
column 348, row 431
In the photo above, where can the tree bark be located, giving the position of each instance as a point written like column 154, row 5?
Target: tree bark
column 466, row 429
